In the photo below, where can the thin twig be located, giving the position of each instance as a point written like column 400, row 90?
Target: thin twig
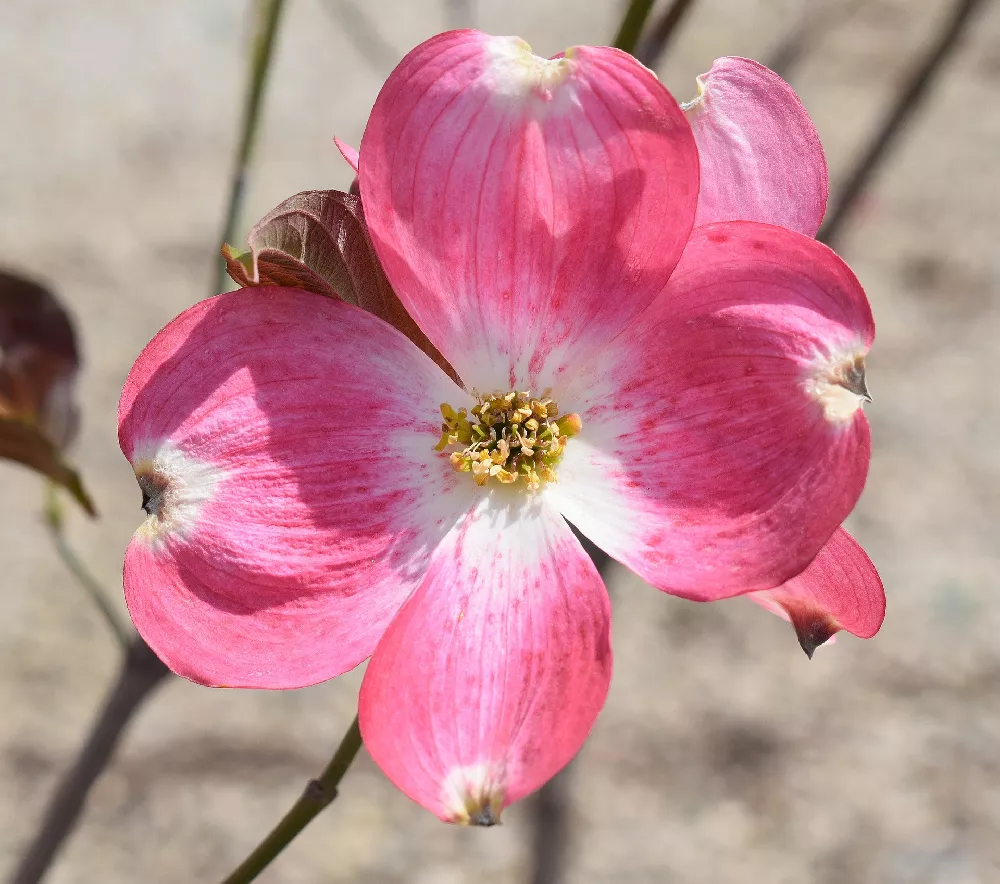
column 653, row 46
column 74, row 564
column 909, row 100
column 140, row 673
column 364, row 35
column 317, row 795
column 260, row 64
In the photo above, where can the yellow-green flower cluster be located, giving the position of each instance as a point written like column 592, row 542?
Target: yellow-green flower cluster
column 509, row 437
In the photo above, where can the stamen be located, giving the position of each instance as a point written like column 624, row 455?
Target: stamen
column 510, row 437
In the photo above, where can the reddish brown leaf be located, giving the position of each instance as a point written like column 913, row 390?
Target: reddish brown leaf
column 318, row 241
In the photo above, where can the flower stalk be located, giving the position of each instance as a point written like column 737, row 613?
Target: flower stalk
column 75, row 565
column 317, row 795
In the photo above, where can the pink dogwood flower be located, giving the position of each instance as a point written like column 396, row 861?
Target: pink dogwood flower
column 319, row 491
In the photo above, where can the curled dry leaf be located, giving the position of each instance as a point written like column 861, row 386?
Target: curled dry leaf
column 318, row 241
column 38, row 364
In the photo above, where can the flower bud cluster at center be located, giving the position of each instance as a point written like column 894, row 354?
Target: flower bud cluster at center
column 510, row 437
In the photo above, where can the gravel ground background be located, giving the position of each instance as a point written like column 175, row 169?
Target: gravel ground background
column 723, row 754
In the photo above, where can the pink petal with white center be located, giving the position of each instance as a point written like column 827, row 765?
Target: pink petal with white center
column 350, row 154
column 839, row 590
column 719, row 449
column 284, row 445
column 522, row 206
column 761, row 158
column 490, row 678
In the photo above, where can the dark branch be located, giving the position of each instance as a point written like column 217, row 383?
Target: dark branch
column 140, row 673
column 906, row 105
column 654, row 44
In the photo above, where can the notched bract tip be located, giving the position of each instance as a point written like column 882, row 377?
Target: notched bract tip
column 474, row 796
column 152, row 487
column 850, row 375
column 699, row 99
column 840, row 386
column 175, row 488
column 484, row 817
column 517, row 72
column 813, row 631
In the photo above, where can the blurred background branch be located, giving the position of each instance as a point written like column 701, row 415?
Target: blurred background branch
column 816, row 20
column 657, row 38
column 268, row 17
column 364, row 35
column 889, row 130
column 551, row 829
column 551, row 808
column 460, row 14
column 140, row 673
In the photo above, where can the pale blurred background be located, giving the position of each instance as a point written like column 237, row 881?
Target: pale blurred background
column 723, row 754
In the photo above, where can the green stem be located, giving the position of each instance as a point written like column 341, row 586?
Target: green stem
column 76, row 567
column 317, row 795
column 632, row 25
column 263, row 46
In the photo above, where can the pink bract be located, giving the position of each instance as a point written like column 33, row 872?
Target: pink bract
column 761, row 158
column 839, row 590
column 535, row 218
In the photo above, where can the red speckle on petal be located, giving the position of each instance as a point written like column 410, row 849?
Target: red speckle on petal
column 537, row 363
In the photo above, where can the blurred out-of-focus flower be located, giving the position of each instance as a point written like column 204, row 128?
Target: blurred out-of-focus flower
column 39, row 360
